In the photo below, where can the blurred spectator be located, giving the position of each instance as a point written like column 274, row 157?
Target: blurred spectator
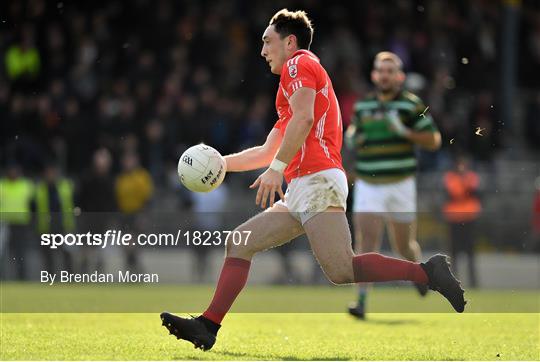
column 254, row 130
column 210, row 215
column 191, row 69
column 134, row 190
column 96, row 191
column 461, row 211
column 54, row 206
column 484, row 129
column 536, row 217
column 96, row 198
column 16, row 193
column 532, row 122
column 23, row 61
column 155, row 152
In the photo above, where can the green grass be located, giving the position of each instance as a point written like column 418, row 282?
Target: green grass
column 275, row 336
column 268, row 336
column 124, row 298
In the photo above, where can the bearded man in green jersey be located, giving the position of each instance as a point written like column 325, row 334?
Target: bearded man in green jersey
column 385, row 128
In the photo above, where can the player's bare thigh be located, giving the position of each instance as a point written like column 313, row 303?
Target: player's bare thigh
column 330, row 239
column 273, row 227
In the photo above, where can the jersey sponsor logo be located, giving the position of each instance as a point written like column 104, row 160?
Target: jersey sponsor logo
column 293, row 71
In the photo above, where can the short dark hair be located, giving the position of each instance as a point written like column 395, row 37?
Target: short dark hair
column 388, row 56
column 295, row 23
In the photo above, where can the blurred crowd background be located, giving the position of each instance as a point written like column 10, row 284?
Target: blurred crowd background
column 105, row 96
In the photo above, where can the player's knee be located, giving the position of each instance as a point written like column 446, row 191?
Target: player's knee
column 340, row 277
column 405, row 248
column 237, row 250
column 240, row 249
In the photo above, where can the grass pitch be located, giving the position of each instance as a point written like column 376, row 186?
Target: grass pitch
column 279, row 336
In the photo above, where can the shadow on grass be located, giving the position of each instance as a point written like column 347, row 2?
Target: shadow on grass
column 393, row 322
column 255, row 356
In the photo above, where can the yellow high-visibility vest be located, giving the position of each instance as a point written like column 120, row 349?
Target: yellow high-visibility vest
column 15, row 198
column 65, row 195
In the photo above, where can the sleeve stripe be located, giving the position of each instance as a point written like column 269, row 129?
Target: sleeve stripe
column 294, row 60
column 296, row 85
column 423, row 123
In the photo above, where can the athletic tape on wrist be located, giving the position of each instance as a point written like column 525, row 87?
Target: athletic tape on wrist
column 278, row 165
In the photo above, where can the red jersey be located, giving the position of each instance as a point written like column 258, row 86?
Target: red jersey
column 322, row 147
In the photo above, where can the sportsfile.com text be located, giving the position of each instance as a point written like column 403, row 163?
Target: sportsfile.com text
column 121, row 238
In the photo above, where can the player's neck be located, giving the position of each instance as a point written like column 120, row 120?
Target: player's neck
column 289, row 56
column 387, row 96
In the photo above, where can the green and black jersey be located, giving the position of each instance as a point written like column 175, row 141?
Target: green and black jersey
column 383, row 156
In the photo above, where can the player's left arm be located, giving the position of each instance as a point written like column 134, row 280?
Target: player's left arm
column 302, row 103
column 422, row 132
column 430, row 140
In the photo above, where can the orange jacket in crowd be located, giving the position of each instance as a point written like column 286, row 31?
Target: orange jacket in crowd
column 536, row 214
column 463, row 204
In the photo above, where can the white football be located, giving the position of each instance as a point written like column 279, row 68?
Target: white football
column 201, row 168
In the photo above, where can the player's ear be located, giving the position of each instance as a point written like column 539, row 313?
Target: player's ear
column 401, row 76
column 291, row 41
column 373, row 76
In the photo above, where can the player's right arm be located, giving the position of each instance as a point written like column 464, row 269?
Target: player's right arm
column 255, row 157
column 354, row 138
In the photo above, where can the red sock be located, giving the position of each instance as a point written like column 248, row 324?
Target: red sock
column 373, row 267
column 232, row 279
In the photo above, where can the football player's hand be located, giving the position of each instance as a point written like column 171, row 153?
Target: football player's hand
column 269, row 183
column 353, row 139
column 396, row 125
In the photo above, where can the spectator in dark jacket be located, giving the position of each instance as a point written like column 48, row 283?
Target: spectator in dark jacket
column 97, row 203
